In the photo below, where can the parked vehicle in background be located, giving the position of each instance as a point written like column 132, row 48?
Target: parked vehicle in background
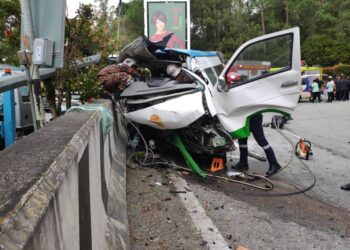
column 21, row 102
column 305, row 88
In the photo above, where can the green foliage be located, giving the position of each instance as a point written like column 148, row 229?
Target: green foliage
column 79, row 34
column 324, row 25
column 82, row 39
column 10, row 14
column 325, row 51
column 128, row 24
column 211, row 21
column 134, row 17
column 87, row 87
column 337, row 70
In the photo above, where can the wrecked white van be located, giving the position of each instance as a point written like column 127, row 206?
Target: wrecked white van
column 199, row 104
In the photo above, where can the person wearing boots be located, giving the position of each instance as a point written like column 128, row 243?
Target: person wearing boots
column 315, row 92
column 258, row 132
column 330, row 89
column 343, row 88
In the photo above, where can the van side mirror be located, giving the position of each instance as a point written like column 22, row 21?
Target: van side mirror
column 222, row 86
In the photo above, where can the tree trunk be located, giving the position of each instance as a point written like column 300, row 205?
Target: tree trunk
column 218, row 38
column 262, row 14
column 287, row 13
column 68, row 99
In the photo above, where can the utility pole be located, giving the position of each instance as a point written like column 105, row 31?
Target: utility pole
column 119, row 12
column 32, row 70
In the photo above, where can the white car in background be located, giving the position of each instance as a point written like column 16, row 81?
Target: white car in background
column 306, row 82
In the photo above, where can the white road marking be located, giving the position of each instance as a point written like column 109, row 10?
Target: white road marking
column 207, row 229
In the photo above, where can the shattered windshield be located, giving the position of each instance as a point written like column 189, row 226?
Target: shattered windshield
column 211, row 66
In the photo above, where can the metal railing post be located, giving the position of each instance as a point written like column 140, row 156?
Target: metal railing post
column 33, row 77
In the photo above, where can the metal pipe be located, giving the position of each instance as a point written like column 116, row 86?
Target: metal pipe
column 27, row 40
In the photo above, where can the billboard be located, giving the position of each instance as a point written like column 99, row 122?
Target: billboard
column 164, row 17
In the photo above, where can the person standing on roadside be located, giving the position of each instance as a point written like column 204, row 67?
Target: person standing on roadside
column 320, row 89
column 337, row 90
column 258, row 132
column 315, row 91
column 348, row 88
column 330, row 89
column 343, row 88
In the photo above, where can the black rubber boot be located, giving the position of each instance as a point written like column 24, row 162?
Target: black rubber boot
column 273, row 169
column 346, row 187
column 270, row 155
column 240, row 167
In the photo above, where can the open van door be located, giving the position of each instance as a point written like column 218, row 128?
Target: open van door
column 263, row 75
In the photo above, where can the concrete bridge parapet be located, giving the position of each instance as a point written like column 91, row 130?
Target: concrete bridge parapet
column 64, row 186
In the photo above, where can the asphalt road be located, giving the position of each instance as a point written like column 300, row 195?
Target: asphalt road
column 331, row 138
column 224, row 215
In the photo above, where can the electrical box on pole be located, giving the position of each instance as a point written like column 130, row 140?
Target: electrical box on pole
column 42, row 52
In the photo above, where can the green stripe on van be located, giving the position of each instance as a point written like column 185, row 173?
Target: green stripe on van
column 244, row 132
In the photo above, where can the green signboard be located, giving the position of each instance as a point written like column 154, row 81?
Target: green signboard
column 164, row 17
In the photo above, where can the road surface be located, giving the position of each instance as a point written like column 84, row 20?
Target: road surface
column 177, row 210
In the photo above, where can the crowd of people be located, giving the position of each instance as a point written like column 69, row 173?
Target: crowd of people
column 337, row 89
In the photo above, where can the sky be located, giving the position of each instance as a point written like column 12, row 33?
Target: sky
column 73, row 5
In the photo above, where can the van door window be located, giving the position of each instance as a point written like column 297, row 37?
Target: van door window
column 261, row 59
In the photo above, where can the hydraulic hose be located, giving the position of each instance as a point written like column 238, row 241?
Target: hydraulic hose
column 190, row 161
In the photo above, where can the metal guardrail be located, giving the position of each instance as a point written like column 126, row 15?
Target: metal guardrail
column 88, row 61
column 19, row 80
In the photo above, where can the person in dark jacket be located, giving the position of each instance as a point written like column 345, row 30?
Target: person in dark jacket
column 343, row 88
column 320, row 89
column 257, row 130
column 348, row 89
column 337, row 90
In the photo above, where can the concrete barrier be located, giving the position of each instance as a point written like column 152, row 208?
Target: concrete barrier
column 64, row 187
